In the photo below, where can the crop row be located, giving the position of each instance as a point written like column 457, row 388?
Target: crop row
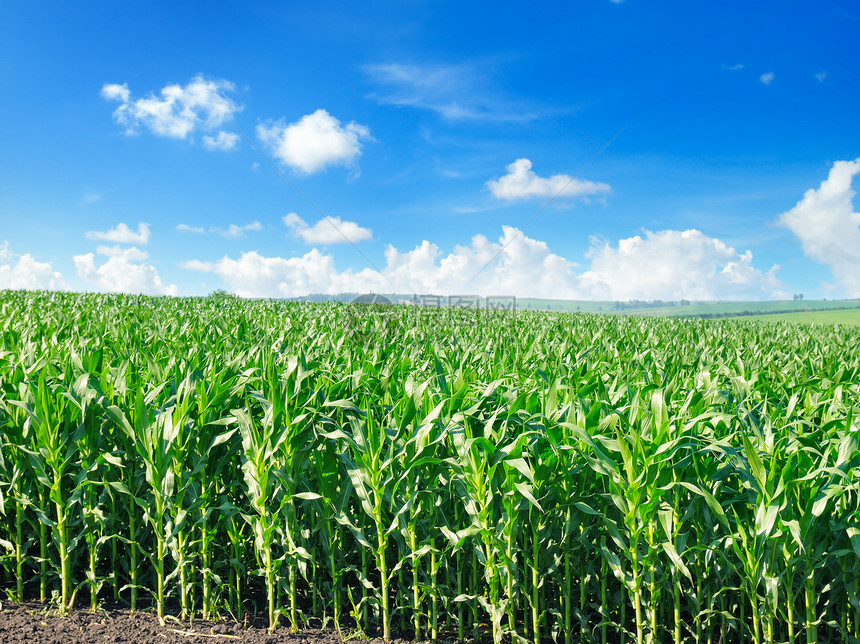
column 449, row 472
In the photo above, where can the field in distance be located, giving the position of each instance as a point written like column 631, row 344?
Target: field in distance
column 832, row 316
column 785, row 309
column 846, row 311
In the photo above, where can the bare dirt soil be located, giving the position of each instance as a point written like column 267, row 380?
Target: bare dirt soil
column 30, row 623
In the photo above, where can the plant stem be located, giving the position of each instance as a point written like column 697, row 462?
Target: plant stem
column 65, row 572
column 535, row 581
column 434, row 633
column 294, row 619
column 383, row 581
column 270, row 586
column 811, row 605
column 460, row 624
column 43, row 553
column 132, row 564
column 19, row 555
column 567, row 597
column 416, row 614
column 604, row 617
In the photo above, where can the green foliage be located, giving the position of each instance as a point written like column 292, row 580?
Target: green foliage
column 528, row 475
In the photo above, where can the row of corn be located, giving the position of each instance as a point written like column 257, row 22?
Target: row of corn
column 448, row 473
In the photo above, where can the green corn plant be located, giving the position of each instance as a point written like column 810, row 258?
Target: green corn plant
column 368, row 459
column 483, row 464
column 150, row 432
column 260, row 448
column 633, row 466
column 54, row 418
column 634, row 435
column 335, row 494
column 16, row 490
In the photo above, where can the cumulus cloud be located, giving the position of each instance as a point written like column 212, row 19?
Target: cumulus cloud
column 521, row 182
column 674, row 265
column 828, row 227
column 664, row 265
column 328, row 230
column 224, row 141
column 24, row 272
column 178, row 110
column 122, row 234
column 313, row 142
column 116, row 92
column 233, row 231
column 767, row 78
column 123, row 272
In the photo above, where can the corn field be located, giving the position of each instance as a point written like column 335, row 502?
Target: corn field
column 449, row 473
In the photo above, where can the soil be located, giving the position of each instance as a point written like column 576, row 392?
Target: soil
column 31, row 623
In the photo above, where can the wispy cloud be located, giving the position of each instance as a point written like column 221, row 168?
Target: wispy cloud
column 223, row 141
column 455, row 92
column 233, row 231
column 767, row 78
column 820, row 76
column 92, row 197
column 185, row 228
column 734, row 68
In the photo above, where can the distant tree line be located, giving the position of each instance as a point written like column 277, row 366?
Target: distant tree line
column 648, row 304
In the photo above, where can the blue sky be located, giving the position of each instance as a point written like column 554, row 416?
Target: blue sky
column 422, row 147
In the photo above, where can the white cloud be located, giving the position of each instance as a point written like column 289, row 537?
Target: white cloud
column 767, row 78
column 122, row 273
column 328, row 230
column 122, row 234
column 820, row 76
column 455, row 92
column 224, row 141
column 664, row 265
column 232, row 231
column 314, row 141
column 674, row 265
column 522, row 183
column 27, row 273
column 179, row 110
column 254, row 275
column 92, row 197
column 132, row 253
column 185, row 228
column 115, row 92
column 828, row 227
